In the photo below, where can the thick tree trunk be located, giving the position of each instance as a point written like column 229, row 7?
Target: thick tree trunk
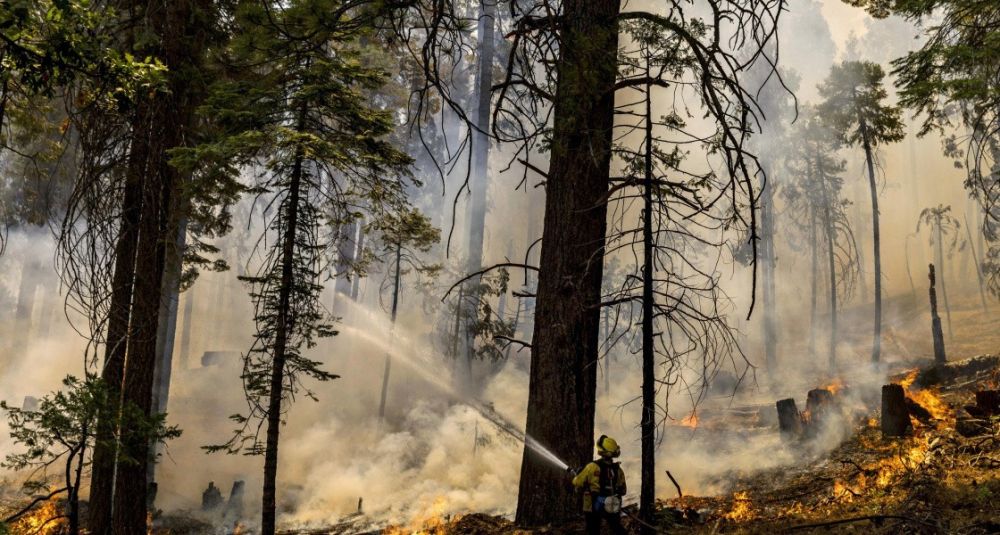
column 281, row 329
column 182, row 41
column 388, row 357
column 936, row 334
column 789, row 420
column 119, row 317
column 130, row 498
column 647, row 424
column 563, row 377
column 876, row 246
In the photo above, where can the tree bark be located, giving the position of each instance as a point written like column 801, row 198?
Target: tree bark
column 814, row 282
column 979, row 267
column 876, row 244
column 563, row 376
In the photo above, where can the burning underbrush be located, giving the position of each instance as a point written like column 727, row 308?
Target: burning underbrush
column 941, row 478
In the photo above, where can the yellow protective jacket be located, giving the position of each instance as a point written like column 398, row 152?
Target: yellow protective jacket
column 602, row 477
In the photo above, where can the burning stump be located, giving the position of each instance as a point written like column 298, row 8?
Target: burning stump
column 895, row 412
column 789, row 421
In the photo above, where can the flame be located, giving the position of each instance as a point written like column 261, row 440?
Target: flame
column 928, row 398
column 40, row 521
column 835, row 386
column 742, row 508
column 432, row 521
column 690, row 420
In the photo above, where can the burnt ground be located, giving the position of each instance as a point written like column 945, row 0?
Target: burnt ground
column 938, row 480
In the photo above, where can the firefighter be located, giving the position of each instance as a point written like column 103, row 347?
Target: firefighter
column 603, row 485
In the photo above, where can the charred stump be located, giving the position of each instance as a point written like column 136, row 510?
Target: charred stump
column 789, row 420
column 988, row 401
column 936, row 332
column 895, row 412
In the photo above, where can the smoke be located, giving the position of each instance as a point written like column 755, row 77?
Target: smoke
column 435, row 452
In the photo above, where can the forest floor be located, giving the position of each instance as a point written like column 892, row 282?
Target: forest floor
column 936, row 481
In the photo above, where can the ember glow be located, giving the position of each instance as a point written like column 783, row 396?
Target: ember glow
column 928, row 398
column 742, row 508
column 44, row 520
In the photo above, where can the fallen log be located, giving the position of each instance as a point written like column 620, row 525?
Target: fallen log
column 972, row 427
column 895, row 413
column 952, row 371
column 918, row 411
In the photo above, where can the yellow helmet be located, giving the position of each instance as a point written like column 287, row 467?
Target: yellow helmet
column 608, row 447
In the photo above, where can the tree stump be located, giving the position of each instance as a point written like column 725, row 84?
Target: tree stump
column 988, row 402
column 789, row 421
column 895, row 413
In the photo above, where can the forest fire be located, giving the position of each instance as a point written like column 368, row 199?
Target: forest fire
column 927, row 398
column 742, row 509
column 690, row 420
column 44, row 520
column 432, row 521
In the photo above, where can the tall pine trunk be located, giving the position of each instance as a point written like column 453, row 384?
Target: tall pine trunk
column 813, row 281
column 647, row 424
column 563, row 376
column 830, row 232
column 979, row 267
column 479, row 179
column 876, row 244
column 767, row 275
column 281, row 330
column 388, row 357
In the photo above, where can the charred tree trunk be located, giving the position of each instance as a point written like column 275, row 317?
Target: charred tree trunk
column 939, row 354
column 895, row 414
column 281, row 331
column 388, row 357
column 789, row 420
column 940, row 265
column 876, row 241
column 563, row 377
column 647, row 425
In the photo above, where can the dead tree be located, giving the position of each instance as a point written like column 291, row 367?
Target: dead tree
column 938, row 336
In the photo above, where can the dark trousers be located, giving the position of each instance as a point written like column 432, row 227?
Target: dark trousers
column 614, row 521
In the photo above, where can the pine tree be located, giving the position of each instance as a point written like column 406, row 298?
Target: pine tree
column 301, row 115
column 854, row 105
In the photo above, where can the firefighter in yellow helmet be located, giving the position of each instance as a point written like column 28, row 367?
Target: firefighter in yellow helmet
column 603, row 485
